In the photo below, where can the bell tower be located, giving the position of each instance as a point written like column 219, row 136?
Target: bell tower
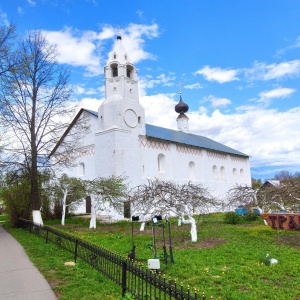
column 121, row 118
column 121, row 108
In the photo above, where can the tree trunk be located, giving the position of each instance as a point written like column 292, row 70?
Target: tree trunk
column 35, row 198
column 37, row 217
column 193, row 227
column 93, row 213
column 179, row 221
column 142, row 228
column 64, row 202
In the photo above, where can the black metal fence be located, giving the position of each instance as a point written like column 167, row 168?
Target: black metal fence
column 142, row 283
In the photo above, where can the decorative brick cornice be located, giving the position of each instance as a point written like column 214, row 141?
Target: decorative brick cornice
column 188, row 150
column 218, row 155
column 154, row 144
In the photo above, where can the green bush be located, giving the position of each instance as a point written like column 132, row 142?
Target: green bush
column 232, row 218
column 251, row 216
column 16, row 198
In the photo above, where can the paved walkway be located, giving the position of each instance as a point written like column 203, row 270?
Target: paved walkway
column 19, row 278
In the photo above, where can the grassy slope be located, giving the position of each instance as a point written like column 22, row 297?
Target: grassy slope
column 225, row 262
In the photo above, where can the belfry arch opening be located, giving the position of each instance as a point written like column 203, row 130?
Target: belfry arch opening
column 129, row 71
column 114, row 70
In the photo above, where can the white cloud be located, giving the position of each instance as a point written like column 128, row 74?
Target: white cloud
column 90, row 103
column 83, row 48
column 193, row 86
column 261, row 71
column 3, row 18
column 148, row 82
column 266, row 135
column 280, row 92
column 133, row 41
column 160, row 110
column 77, row 48
column 140, row 14
column 218, row 74
column 20, row 10
column 81, row 90
column 31, row 2
column 215, row 101
column 107, row 32
column 293, row 46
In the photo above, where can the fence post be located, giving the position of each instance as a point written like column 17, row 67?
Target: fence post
column 124, row 271
column 47, row 232
column 75, row 254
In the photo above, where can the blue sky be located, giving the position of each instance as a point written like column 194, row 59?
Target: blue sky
column 238, row 61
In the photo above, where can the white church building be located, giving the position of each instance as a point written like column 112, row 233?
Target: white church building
column 120, row 142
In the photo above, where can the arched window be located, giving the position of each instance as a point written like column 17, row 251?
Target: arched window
column 115, row 56
column 192, row 170
column 215, row 171
column 161, row 160
column 222, row 172
column 129, row 71
column 101, row 122
column 81, row 169
column 234, row 172
column 114, row 70
column 242, row 173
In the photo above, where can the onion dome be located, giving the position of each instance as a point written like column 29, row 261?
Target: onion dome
column 181, row 107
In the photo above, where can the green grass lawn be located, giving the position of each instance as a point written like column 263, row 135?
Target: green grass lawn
column 225, row 263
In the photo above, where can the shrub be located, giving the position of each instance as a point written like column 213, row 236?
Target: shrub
column 251, row 216
column 232, row 218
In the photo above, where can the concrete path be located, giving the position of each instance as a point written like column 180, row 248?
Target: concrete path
column 19, row 278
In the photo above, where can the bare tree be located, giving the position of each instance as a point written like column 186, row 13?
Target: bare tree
column 7, row 37
column 283, row 175
column 34, row 109
column 279, row 195
column 168, row 198
column 241, row 195
column 283, row 196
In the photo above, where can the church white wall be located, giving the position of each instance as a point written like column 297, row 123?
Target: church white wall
column 123, row 152
column 183, row 163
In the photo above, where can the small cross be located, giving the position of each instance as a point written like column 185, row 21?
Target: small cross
column 180, row 86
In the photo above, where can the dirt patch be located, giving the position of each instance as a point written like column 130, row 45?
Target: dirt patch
column 181, row 238
column 292, row 241
column 203, row 243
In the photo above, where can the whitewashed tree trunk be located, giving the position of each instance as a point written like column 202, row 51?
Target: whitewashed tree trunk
column 37, row 217
column 64, row 207
column 179, row 221
column 143, row 219
column 93, row 213
column 191, row 221
column 142, row 228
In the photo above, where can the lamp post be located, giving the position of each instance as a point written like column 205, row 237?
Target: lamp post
column 131, row 254
column 155, row 220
